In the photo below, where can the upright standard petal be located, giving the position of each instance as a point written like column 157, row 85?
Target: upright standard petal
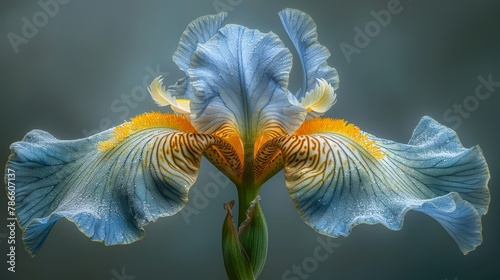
column 110, row 184
column 197, row 32
column 302, row 31
column 241, row 78
column 339, row 177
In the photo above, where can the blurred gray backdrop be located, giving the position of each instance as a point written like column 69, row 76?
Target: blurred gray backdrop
column 81, row 66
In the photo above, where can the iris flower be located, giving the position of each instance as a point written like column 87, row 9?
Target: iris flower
column 234, row 107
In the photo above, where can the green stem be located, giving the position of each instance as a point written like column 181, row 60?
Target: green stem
column 246, row 194
column 247, row 189
column 245, row 246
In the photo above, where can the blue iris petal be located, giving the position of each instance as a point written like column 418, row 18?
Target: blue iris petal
column 108, row 194
column 340, row 185
column 197, row 32
column 241, row 77
column 302, row 31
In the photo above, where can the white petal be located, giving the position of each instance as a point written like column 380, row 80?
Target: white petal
column 163, row 97
column 181, row 106
column 321, row 98
column 158, row 93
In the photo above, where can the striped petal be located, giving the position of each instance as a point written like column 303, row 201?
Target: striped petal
column 241, row 78
column 340, row 177
column 111, row 184
column 302, row 31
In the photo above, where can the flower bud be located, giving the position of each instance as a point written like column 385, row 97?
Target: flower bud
column 253, row 236
column 236, row 260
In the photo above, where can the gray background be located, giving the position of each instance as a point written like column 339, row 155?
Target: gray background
column 90, row 53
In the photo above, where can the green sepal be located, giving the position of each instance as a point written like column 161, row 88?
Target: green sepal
column 253, row 236
column 236, row 260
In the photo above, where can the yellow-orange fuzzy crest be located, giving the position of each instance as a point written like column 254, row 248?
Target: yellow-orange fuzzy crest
column 338, row 126
column 147, row 121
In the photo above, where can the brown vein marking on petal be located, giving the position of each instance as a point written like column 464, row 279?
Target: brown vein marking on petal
column 319, row 125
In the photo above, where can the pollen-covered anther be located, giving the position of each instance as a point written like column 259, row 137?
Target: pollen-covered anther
column 321, row 98
column 163, row 97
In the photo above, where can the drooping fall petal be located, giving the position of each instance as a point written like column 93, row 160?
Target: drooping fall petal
column 111, row 184
column 339, row 177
